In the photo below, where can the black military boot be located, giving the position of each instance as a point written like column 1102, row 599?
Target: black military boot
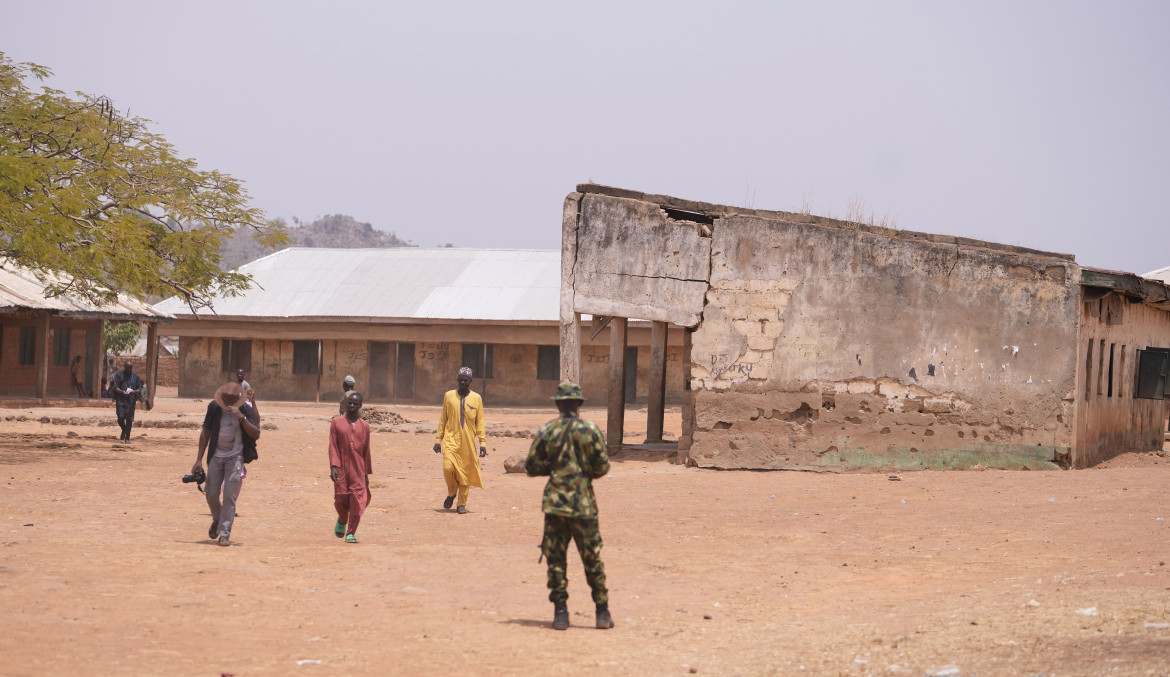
column 560, row 616
column 604, row 621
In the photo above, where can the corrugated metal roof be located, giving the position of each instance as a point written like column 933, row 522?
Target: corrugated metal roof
column 20, row 290
column 1162, row 274
column 400, row 283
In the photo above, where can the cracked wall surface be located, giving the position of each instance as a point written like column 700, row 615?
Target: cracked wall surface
column 820, row 343
column 824, row 345
column 634, row 261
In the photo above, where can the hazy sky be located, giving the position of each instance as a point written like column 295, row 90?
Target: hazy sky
column 1041, row 124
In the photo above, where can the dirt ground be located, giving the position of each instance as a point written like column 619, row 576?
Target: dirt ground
column 106, row 568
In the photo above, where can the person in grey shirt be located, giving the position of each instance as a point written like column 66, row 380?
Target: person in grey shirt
column 229, row 418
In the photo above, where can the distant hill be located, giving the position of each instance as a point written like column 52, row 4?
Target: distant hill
column 334, row 230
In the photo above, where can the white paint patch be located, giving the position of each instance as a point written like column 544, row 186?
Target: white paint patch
column 1015, row 350
column 1029, row 379
column 976, row 350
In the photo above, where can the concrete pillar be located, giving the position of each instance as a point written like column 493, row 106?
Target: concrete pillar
column 570, row 320
column 656, row 401
column 43, row 357
column 571, row 349
column 617, row 382
column 151, row 379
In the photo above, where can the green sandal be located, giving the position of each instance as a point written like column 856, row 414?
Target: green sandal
column 339, row 530
column 350, row 538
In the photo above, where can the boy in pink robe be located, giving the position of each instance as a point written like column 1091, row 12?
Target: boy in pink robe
column 350, row 467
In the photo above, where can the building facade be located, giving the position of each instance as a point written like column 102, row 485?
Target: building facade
column 41, row 335
column 401, row 322
column 812, row 342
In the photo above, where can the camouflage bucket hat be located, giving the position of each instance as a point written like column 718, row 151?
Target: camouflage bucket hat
column 568, row 391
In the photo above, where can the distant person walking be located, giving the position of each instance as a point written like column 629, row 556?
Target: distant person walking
column 350, row 467
column 125, row 388
column 76, row 375
column 347, row 386
column 460, row 424
column 571, row 452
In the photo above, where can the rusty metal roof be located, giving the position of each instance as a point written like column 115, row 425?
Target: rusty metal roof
column 445, row 283
column 20, row 290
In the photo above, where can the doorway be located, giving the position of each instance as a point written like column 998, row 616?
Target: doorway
column 631, row 374
column 404, row 372
column 379, row 370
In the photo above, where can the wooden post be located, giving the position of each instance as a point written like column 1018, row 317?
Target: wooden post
column 151, row 362
column 43, row 358
column 617, row 383
column 656, row 401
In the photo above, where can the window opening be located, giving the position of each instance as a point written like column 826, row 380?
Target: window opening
column 1121, row 374
column 1100, row 366
column 1089, row 369
column 548, row 362
column 61, row 345
column 306, row 357
column 1153, row 367
column 28, row 345
column 478, row 356
column 235, row 355
column 1112, row 348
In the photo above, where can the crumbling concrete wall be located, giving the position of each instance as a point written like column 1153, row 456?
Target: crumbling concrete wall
column 1109, row 419
column 823, row 344
column 634, row 261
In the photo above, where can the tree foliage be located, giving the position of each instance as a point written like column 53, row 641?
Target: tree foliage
column 94, row 194
column 119, row 337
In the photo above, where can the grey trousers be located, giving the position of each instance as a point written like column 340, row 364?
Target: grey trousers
column 224, row 470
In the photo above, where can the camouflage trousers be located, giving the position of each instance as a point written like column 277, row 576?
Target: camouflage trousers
column 585, row 532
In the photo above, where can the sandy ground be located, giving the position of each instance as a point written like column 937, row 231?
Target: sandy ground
column 106, row 569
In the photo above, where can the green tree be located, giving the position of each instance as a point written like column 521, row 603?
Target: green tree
column 92, row 193
column 119, row 337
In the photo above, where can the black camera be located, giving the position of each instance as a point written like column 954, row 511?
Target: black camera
column 198, row 477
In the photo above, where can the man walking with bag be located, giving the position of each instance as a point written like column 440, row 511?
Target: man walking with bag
column 228, row 422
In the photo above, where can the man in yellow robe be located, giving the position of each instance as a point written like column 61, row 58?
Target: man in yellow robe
column 460, row 424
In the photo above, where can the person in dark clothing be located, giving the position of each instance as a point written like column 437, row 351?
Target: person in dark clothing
column 125, row 389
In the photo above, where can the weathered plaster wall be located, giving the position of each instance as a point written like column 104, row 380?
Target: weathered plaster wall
column 634, row 261
column 1109, row 419
column 828, row 345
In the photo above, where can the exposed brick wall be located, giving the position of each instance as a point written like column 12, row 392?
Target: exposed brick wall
column 168, row 370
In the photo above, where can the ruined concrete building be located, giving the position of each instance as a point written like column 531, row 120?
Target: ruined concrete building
column 812, row 342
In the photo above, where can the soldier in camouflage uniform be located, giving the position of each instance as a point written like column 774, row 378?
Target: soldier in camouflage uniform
column 571, row 451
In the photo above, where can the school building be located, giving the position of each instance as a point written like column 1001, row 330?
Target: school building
column 402, row 321
column 41, row 335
